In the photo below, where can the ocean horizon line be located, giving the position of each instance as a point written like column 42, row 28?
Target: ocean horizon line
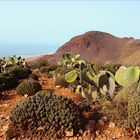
column 26, row 55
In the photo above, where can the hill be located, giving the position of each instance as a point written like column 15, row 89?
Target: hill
column 100, row 47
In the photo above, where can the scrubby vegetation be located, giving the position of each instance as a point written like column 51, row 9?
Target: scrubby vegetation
column 48, row 111
column 133, row 119
column 7, row 63
column 7, row 81
column 11, row 70
column 110, row 85
column 112, row 88
column 44, row 67
column 29, row 87
column 20, row 72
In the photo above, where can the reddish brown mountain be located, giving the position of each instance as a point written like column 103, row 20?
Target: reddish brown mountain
column 99, row 47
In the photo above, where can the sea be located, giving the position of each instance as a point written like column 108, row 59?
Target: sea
column 26, row 51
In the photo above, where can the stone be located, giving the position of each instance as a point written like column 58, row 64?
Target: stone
column 75, row 138
column 91, row 125
column 58, row 87
column 85, row 133
column 69, row 133
column 80, row 131
column 25, row 95
column 2, row 117
column 97, row 132
column 111, row 125
column 80, row 138
column 104, row 118
column 101, row 123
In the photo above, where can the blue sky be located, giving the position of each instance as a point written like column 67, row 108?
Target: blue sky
column 49, row 24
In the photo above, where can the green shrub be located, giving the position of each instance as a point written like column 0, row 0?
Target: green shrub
column 129, row 98
column 46, row 110
column 29, row 87
column 7, row 81
column 43, row 66
column 127, row 92
column 48, row 70
column 61, row 81
column 20, row 72
column 133, row 120
column 39, row 64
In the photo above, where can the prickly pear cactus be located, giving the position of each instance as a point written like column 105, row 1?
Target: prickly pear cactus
column 102, row 79
column 119, row 76
column 132, row 75
column 71, row 76
column 111, row 87
column 127, row 76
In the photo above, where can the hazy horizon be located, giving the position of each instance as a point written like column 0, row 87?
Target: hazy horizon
column 40, row 27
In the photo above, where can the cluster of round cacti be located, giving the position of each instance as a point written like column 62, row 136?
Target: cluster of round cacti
column 133, row 120
column 29, row 87
column 44, row 108
column 20, row 72
column 7, row 81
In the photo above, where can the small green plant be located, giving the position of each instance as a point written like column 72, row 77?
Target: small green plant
column 133, row 120
column 7, row 81
column 43, row 66
column 39, row 64
column 130, row 97
column 29, row 87
column 127, row 92
column 20, row 72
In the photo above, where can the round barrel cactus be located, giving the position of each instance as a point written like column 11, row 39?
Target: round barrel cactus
column 29, row 87
column 46, row 111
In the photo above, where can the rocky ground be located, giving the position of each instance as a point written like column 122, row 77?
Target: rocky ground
column 105, row 130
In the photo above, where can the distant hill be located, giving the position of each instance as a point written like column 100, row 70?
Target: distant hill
column 100, row 47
